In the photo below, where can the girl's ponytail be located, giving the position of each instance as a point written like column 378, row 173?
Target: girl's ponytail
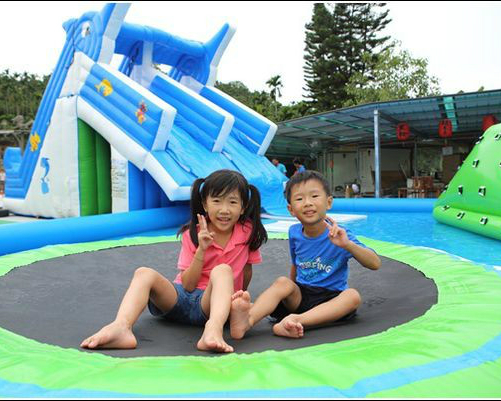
column 253, row 213
column 196, row 207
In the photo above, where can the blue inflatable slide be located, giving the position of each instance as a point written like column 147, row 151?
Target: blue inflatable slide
column 110, row 140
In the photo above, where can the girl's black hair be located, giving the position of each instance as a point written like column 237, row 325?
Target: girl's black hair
column 221, row 183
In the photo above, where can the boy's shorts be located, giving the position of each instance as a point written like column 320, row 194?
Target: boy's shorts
column 310, row 297
column 188, row 308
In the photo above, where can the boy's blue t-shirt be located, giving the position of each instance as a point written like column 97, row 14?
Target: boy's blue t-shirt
column 318, row 261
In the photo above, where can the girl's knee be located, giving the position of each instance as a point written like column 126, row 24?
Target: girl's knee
column 221, row 270
column 144, row 273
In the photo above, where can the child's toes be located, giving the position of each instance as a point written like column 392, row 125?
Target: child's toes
column 85, row 343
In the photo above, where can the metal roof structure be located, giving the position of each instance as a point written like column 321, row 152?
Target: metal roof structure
column 355, row 125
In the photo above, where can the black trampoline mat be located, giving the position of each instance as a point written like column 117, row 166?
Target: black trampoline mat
column 63, row 300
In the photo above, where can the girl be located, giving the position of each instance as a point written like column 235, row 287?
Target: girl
column 219, row 246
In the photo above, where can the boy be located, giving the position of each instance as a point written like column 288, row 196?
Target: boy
column 299, row 166
column 279, row 166
column 316, row 292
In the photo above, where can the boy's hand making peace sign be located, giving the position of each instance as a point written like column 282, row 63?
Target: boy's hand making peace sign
column 337, row 235
column 205, row 238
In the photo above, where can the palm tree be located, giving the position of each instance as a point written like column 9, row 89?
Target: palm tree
column 275, row 83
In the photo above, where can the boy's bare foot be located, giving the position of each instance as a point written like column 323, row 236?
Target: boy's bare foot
column 239, row 314
column 289, row 327
column 212, row 340
column 114, row 335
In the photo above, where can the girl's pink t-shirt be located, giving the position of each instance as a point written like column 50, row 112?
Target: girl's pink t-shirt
column 236, row 254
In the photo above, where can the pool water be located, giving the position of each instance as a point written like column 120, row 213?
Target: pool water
column 421, row 229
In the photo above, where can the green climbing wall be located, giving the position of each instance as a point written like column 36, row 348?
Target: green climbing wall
column 472, row 200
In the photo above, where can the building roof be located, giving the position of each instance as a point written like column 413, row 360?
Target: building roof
column 355, row 125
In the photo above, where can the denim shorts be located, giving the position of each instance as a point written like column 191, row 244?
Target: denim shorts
column 188, row 308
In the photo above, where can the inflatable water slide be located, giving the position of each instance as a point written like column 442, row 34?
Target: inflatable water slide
column 120, row 139
column 472, row 199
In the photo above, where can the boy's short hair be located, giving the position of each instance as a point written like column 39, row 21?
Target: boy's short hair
column 303, row 177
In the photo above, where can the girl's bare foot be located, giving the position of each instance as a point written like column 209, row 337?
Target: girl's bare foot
column 289, row 327
column 239, row 314
column 237, row 294
column 114, row 335
column 212, row 339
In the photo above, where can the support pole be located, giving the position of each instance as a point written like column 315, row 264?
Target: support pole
column 414, row 159
column 377, row 153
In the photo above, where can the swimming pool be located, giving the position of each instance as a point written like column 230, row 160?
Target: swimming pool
column 421, row 229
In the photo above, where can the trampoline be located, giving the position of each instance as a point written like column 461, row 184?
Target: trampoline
column 60, row 301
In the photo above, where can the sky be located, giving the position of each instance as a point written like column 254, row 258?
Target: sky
column 460, row 40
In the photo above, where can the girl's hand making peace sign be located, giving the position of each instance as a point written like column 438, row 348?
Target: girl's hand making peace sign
column 337, row 235
column 205, row 238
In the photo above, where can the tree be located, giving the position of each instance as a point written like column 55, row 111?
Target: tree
column 260, row 101
column 320, row 57
column 237, row 90
column 369, row 24
column 275, row 84
column 265, row 103
column 295, row 110
column 335, row 42
column 21, row 94
column 395, row 75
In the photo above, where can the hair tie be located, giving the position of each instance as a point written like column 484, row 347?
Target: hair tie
column 201, row 186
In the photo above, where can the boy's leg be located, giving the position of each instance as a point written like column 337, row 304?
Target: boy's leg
column 327, row 312
column 216, row 302
column 282, row 290
column 146, row 283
